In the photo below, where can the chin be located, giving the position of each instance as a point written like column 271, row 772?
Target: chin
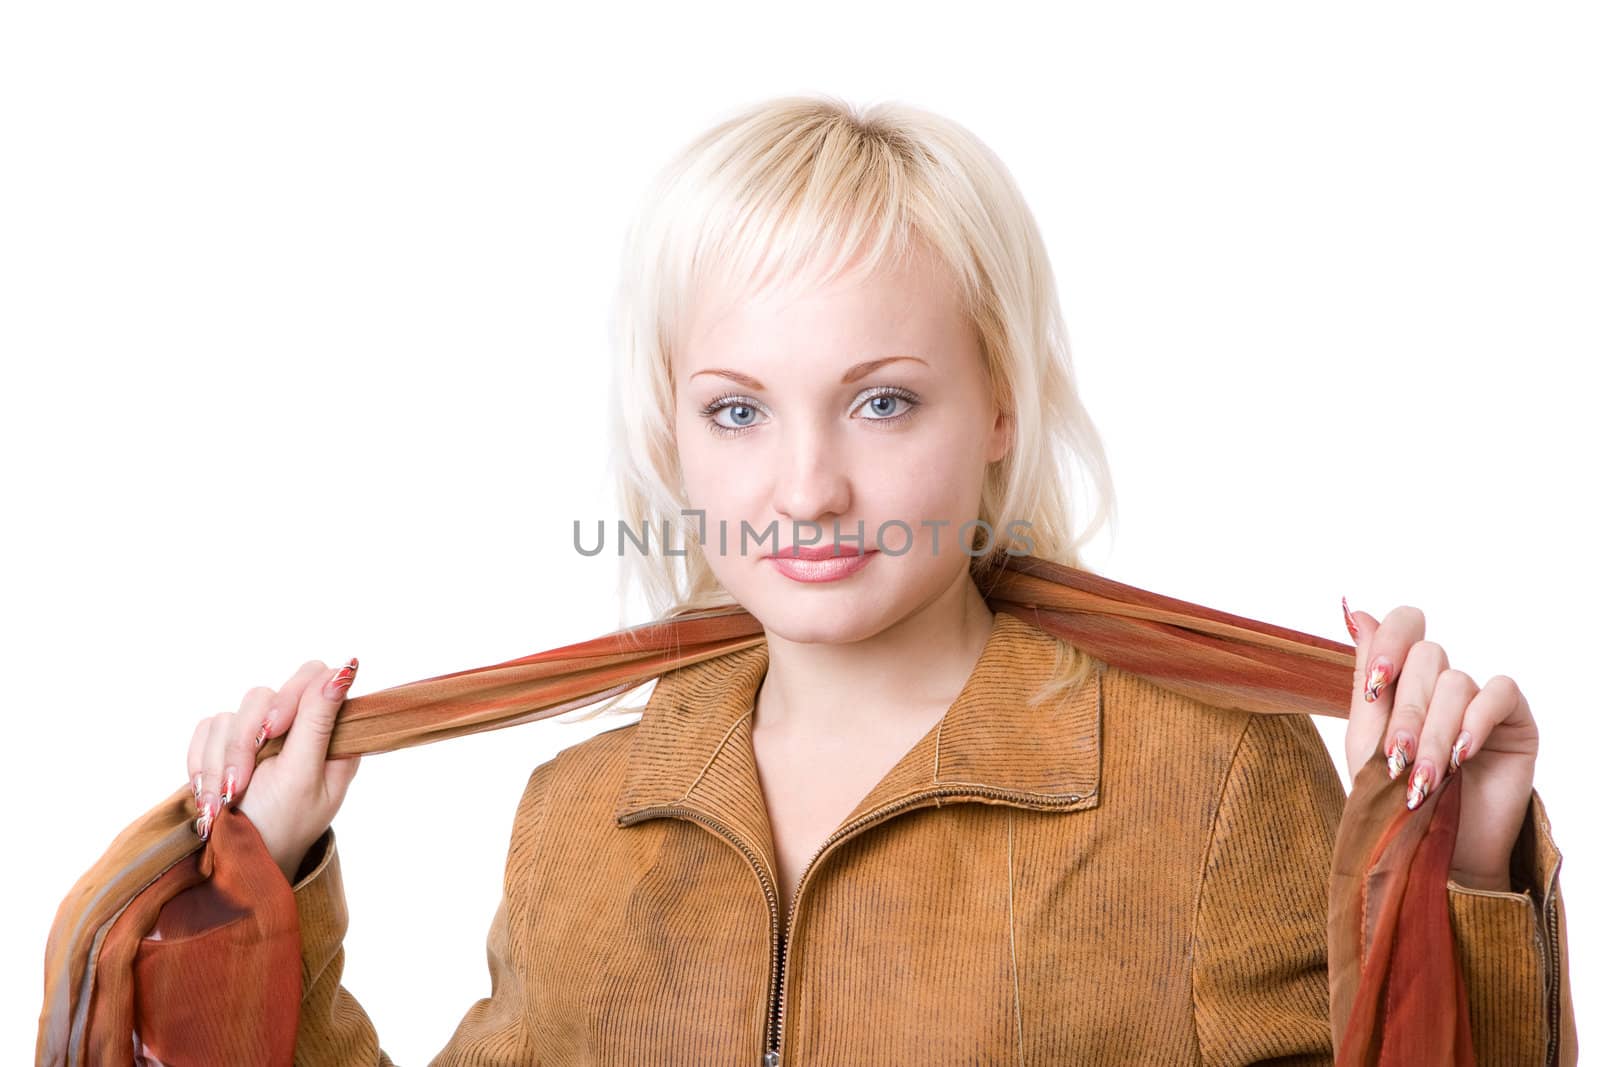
column 812, row 624
column 834, row 613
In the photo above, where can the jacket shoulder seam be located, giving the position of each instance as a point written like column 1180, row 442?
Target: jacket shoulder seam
column 1200, row 881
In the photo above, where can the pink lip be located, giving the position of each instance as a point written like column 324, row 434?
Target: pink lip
column 814, row 565
column 817, row 551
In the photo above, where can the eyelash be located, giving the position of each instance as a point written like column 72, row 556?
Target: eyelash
column 709, row 412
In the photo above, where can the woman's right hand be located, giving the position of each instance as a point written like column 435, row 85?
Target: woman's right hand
column 293, row 795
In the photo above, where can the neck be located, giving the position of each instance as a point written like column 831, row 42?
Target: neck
column 904, row 673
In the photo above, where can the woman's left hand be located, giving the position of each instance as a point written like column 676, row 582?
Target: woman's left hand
column 1434, row 721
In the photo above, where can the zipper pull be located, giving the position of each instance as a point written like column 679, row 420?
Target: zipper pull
column 770, row 1059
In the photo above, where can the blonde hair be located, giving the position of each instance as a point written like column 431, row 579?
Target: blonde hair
column 764, row 196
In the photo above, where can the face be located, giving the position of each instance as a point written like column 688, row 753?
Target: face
column 861, row 403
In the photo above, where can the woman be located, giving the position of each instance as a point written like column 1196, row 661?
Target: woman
column 905, row 828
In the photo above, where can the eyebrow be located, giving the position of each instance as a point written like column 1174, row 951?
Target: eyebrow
column 860, row 370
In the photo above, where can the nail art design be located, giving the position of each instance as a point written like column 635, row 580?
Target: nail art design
column 340, row 682
column 208, row 815
column 197, row 788
column 1350, row 621
column 1377, row 677
column 1421, row 782
column 1458, row 751
column 229, row 781
column 1399, row 756
column 261, row 734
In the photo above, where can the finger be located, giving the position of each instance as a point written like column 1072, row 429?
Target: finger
column 306, row 745
column 197, row 755
column 339, row 772
column 1412, row 697
column 1366, row 726
column 1350, row 621
column 1453, row 690
column 1500, row 703
column 238, row 756
column 1386, row 655
column 279, row 716
column 1380, row 658
column 211, row 773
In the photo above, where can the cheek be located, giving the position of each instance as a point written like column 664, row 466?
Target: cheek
column 722, row 481
column 696, row 458
column 940, row 478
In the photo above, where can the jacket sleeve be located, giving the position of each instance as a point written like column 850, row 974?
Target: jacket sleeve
column 1513, row 952
column 1260, row 957
column 334, row 1029
column 1260, row 952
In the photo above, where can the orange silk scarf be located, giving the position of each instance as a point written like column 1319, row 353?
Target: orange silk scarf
column 1393, row 999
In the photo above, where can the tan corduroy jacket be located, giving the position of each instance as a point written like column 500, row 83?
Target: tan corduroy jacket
column 1120, row 875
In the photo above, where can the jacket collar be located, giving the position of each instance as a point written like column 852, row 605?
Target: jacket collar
column 692, row 753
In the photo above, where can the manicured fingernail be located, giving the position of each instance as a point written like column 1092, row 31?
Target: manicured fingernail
column 1379, row 674
column 197, row 789
column 1421, row 782
column 335, row 689
column 230, row 779
column 1399, row 755
column 1350, row 621
column 261, row 734
column 208, row 815
column 1458, row 751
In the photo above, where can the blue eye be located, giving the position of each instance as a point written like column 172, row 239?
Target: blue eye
column 887, row 404
column 882, row 403
column 741, row 410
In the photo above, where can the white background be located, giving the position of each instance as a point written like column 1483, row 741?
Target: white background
column 303, row 315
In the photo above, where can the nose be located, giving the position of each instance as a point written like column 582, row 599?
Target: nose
column 812, row 484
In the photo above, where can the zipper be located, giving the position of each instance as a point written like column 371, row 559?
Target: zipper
column 775, row 1046
column 1549, row 947
column 722, row 830
column 1540, row 940
column 777, row 987
column 1553, row 994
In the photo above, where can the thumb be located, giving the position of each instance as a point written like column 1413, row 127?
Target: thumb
column 306, row 744
column 1367, row 721
column 338, row 773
